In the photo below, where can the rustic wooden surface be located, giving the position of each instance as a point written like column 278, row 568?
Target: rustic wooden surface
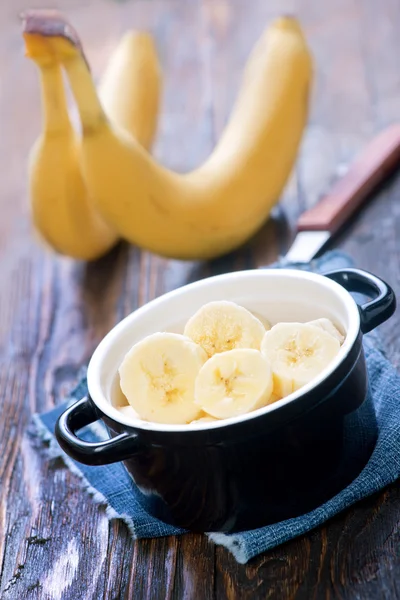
column 54, row 541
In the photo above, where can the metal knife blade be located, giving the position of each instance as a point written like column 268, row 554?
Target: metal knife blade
column 371, row 167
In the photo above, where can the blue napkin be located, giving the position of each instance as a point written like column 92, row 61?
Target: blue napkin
column 111, row 485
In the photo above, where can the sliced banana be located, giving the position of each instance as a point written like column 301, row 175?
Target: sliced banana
column 129, row 412
column 234, row 383
column 205, row 418
column 298, row 352
column 221, row 326
column 264, row 321
column 329, row 327
column 274, row 397
column 158, row 375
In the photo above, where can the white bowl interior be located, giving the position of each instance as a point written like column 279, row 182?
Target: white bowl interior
column 277, row 295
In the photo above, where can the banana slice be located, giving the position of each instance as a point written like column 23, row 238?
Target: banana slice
column 129, row 412
column 263, row 320
column 233, row 383
column 274, row 398
column 298, row 352
column 220, row 326
column 329, row 327
column 158, row 375
column 205, row 418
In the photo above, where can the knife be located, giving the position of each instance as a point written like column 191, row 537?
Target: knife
column 371, row 167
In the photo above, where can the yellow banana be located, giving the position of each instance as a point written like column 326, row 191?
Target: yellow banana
column 130, row 89
column 221, row 204
column 62, row 207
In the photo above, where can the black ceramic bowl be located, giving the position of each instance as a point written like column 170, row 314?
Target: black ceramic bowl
column 271, row 464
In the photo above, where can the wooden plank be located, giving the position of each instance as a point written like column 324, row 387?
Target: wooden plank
column 381, row 218
column 54, row 540
column 170, row 568
column 351, row 557
column 332, row 561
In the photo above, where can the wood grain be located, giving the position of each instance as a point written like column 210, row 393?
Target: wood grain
column 55, row 542
column 371, row 168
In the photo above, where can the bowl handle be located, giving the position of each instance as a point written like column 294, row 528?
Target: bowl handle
column 383, row 303
column 79, row 415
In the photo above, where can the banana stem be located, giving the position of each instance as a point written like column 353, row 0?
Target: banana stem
column 84, row 90
column 55, row 109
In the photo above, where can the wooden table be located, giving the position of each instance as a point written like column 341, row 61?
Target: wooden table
column 54, row 541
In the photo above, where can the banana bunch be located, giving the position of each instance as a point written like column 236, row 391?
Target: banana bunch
column 62, row 204
column 226, row 363
column 86, row 191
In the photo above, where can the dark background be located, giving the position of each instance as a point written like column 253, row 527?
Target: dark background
column 54, row 541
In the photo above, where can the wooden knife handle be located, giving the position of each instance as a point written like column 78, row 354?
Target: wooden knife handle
column 370, row 168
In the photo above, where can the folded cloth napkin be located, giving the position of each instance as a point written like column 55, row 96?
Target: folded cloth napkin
column 111, row 485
